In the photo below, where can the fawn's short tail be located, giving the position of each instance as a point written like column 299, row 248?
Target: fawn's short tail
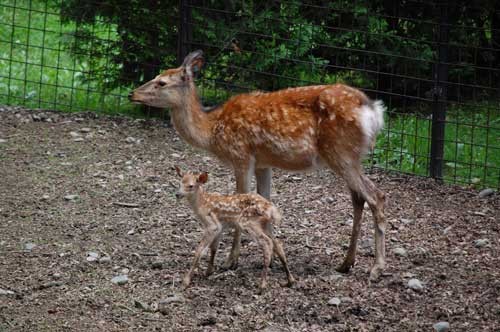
column 276, row 216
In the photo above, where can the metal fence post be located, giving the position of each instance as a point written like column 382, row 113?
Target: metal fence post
column 440, row 94
column 185, row 31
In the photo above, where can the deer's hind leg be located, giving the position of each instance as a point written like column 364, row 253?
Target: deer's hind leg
column 362, row 189
column 341, row 145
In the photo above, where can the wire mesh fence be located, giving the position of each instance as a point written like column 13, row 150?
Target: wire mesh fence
column 436, row 65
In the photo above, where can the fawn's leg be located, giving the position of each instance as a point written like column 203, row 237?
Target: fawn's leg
column 257, row 232
column 242, row 173
column 263, row 176
column 213, row 251
column 208, row 237
column 278, row 250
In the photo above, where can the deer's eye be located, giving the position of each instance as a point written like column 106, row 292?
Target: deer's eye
column 162, row 83
column 190, row 186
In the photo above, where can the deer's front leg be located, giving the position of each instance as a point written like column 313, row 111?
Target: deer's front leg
column 242, row 171
column 263, row 176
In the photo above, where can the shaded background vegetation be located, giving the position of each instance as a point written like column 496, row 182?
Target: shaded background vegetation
column 86, row 55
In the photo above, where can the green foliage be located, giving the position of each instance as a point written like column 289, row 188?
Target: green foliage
column 124, row 41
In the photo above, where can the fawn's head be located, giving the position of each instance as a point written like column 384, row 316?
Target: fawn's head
column 167, row 89
column 190, row 182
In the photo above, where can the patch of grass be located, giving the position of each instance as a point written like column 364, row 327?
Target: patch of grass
column 37, row 69
column 471, row 146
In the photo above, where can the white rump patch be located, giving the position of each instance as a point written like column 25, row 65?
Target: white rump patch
column 372, row 120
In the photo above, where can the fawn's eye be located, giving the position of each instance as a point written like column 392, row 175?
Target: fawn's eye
column 162, row 83
column 190, row 186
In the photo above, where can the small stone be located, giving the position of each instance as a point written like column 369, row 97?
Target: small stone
column 56, row 275
column 175, row 155
column 45, row 197
column 296, row 178
column 74, row 134
column 334, row 301
column 415, row 284
column 157, row 265
column 36, row 117
column 486, row 192
column 131, row 232
column 78, row 139
column 406, row 221
column 164, row 304
column 6, row 292
column 157, row 190
column 105, row 260
column 401, row 252
column 29, row 246
column 481, row 243
column 447, row 229
column 130, row 140
column 475, row 180
column 85, row 130
column 441, row 327
column 330, row 199
column 238, row 309
column 210, row 320
column 142, row 305
column 120, row 280
column 71, row 197
column 92, row 256
column 3, row 140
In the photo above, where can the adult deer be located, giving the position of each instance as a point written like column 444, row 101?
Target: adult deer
column 293, row 129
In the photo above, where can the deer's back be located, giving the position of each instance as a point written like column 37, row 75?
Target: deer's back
column 278, row 129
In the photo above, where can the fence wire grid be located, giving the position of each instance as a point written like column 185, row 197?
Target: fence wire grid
column 435, row 64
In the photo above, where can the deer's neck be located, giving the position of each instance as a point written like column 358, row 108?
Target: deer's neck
column 192, row 124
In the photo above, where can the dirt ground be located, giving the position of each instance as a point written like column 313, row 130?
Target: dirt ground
column 86, row 198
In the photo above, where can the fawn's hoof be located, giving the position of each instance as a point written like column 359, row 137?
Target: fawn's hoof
column 185, row 282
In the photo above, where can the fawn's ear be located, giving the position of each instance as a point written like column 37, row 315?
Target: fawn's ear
column 203, row 178
column 179, row 172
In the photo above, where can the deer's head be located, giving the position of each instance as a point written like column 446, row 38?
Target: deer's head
column 168, row 88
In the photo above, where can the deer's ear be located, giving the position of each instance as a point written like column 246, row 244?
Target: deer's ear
column 179, row 172
column 193, row 62
column 203, row 178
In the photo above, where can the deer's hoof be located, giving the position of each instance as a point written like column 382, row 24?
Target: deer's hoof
column 289, row 283
column 231, row 264
column 345, row 267
column 209, row 272
column 375, row 273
